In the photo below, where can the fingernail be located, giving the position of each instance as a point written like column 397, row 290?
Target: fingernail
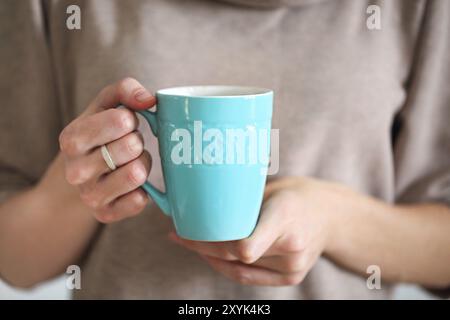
column 143, row 95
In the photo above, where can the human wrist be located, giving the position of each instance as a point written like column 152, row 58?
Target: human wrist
column 339, row 206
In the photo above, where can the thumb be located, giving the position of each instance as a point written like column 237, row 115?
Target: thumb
column 128, row 92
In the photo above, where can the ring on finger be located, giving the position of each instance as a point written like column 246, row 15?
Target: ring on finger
column 107, row 157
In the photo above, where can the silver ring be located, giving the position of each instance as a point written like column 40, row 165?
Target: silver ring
column 107, row 157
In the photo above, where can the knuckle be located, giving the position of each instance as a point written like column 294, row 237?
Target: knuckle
column 138, row 203
column 62, row 139
column 136, row 174
column 122, row 119
column 126, row 82
column 134, row 145
column 126, row 85
column 68, row 142
column 245, row 251
column 75, row 174
column 91, row 199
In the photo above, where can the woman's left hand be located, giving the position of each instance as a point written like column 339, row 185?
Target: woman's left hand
column 293, row 230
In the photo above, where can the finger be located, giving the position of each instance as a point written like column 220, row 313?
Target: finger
column 220, row 250
column 250, row 275
column 125, row 179
column 125, row 149
column 126, row 206
column 266, row 240
column 127, row 91
column 84, row 134
column 283, row 264
column 261, row 242
column 90, row 167
column 119, row 182
column 264, row 237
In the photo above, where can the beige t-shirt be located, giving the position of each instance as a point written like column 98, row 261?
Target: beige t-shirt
column 367, row 108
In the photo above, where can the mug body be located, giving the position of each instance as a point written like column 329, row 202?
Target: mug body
column 214, row 144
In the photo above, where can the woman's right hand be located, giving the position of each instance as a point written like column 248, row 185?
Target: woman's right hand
column 113, row 195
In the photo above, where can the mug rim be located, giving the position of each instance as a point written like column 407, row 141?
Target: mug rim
column 189, row 91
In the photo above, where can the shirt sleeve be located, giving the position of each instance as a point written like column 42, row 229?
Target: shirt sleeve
column 422, row 143
column 29, row 121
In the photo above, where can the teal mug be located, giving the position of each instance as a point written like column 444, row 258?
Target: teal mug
column 214, row 143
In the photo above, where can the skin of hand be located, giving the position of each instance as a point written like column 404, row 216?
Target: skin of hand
column 303, row 218
column 283, row 247
column 113, row 195
column 63, row 209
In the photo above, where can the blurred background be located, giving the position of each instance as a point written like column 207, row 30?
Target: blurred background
column 56, row 289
